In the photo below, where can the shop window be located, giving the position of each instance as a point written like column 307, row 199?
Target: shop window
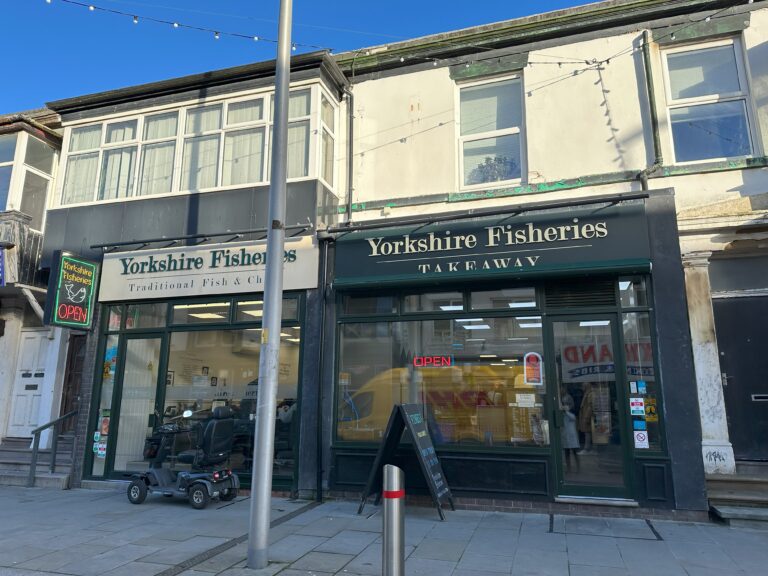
column 253, row 310
column 473, row 383
column 201, row 377
column 115, row 316
column 354, row 305
column 504, row 299
column 708, row 102
column 100, row 433
column 146, row 316
column 641, row 375
column 491, row 119
column 210, row 313
column 633, row 292
column 434, row 302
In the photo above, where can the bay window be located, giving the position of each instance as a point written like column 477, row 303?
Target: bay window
column 197, row 148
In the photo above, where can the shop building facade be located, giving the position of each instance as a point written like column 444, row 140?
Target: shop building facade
column 513, row 225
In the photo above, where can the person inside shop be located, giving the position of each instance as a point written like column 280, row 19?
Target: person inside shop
column 496, row 395
column 569, row 434
column 586, row 414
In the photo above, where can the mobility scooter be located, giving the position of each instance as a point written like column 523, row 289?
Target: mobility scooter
column 211, row 446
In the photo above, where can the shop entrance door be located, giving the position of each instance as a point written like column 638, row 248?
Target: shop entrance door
column 590, row 438
column 137, row 414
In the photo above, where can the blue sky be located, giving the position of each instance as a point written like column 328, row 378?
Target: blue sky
column 58, row 50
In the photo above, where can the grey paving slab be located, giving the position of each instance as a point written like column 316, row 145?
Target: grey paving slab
column 107, row 561
column 579, row 570
column 270, row 570
column 535, row 523
column 437, row 549
column 292, row 572
column 21, row 554
column 182, row 551
column 485, row 563
column 454, row 531
column 587, row 526
column 137, row 569
column 493, row 542
column 427, row 567
column 530, row 562
column 682, row 531
column 554, row 541
column 322, row 561
column 593, row 551
column 328, row 526
column 704, row 571
column 293, row 547
column 506, row 521
column 348, row 542
column 702, row 554
column 55, row 560
column 638, row 553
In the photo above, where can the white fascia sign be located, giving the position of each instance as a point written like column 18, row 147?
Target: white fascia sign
column 204, row 270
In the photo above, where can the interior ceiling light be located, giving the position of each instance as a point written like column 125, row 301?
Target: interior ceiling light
column 478, row 326
column 594, row 323
column 452, row 308
column 207, row 316
column 467, row 319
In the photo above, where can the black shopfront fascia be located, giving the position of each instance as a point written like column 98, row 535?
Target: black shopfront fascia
column 622, row 238
column 164, row 332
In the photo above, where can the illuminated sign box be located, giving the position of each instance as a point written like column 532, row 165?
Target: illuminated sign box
column 71, row 292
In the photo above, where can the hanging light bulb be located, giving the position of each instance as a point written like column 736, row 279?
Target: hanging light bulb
column 707, row 19
column 216, row 35
column 91, row 8
column 175, row 24
column 293, row 47
column 135, row 19
column 255, row 38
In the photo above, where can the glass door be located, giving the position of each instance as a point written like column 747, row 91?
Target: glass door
column 591, row 458
column 138, row 413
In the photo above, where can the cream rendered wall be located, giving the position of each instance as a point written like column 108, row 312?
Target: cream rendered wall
column 404, row 143
column 589, row 123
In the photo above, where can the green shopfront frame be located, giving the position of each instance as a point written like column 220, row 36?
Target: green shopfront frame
column 158, row 358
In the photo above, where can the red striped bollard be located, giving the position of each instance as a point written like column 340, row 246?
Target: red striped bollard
column 393, row 547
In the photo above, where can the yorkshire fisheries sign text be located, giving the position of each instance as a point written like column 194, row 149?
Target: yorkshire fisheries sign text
column 200, row 271
column 542, row 241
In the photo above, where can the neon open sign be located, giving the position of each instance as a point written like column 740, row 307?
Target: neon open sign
column 433, row 361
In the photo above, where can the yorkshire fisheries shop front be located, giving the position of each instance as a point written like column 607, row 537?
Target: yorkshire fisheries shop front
column 180, row 329
column 548, row 345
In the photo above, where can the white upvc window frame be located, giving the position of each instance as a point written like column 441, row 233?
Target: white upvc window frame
column 331, row 130
column 19, row 174
column 462, row 140
column 742, row 95
column 266, row 95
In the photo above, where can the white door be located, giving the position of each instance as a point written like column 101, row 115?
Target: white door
column 28, row 383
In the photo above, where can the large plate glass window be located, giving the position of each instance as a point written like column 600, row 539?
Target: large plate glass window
column 480, row 379
column 491, row 119
column 708, row 102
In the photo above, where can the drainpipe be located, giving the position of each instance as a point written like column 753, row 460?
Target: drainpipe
column 350, row 148
column 658, row 159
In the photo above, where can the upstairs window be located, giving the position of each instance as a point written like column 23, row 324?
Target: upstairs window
column 7, row 153
column 491, row 119
column 707, row 96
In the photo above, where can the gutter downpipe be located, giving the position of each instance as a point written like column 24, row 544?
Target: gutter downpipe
column 658, row 159
column 350, row 148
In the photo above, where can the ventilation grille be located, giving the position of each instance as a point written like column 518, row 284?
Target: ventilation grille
column 586, row 293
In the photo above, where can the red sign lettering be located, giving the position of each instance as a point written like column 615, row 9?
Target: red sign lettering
column 431, row 361
column 71, row 313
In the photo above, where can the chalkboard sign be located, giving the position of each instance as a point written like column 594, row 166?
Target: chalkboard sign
column 411, row 418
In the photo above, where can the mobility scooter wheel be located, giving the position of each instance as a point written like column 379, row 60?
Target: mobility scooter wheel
column 231, row 494
column 198, row 496
column 137, row 491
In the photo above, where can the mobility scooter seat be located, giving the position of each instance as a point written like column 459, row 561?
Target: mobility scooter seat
column 215, row 443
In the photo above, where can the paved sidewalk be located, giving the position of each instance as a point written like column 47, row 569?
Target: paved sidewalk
column 91, row 533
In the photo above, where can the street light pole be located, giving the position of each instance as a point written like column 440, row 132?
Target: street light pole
column 264, row 440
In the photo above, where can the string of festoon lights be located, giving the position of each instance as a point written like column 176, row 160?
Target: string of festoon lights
column 559, row 61
column 175, row 24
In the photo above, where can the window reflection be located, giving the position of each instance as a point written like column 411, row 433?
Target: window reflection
column 469, row 373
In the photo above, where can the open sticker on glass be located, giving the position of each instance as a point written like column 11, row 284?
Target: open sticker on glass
column 532, row 369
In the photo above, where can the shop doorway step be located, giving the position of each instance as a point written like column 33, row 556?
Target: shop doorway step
column 16, row 456
column 741, row 499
